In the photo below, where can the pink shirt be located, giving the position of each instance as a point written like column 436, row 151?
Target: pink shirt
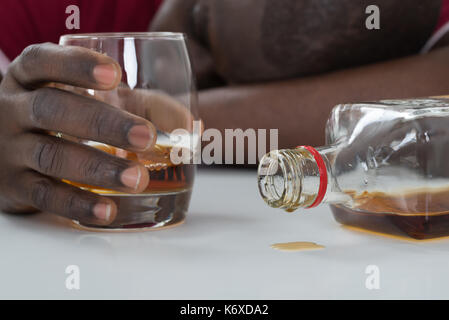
column 24, row 22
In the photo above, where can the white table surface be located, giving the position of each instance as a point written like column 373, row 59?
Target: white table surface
column 222, row 251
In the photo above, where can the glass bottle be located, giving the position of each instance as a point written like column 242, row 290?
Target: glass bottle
column 384, row 168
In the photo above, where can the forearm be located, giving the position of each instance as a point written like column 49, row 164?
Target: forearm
column 175, row 16
column 299, row 108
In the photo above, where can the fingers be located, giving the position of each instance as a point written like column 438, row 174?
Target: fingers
column 64, row 159
column 75, row 115
column 47, row 194
column 70, row 65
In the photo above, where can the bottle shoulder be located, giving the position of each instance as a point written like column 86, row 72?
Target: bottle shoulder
column 348, row 121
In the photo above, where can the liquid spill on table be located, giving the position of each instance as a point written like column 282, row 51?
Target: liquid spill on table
column 297, row 246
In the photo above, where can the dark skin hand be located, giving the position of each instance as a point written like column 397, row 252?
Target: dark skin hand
column 33, row 161
column 285, row 64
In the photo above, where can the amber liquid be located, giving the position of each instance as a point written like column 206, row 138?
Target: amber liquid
column 296, row 246
column 162, row 202
column 419, row 215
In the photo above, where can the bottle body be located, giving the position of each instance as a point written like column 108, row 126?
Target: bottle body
column 385, row 168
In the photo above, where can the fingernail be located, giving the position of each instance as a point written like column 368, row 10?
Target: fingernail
column 140, row 136
column 131, row 177
column 105, row 74
column 103, row 211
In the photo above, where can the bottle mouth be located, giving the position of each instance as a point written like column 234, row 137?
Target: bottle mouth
column 289, row 179
column 280, row 180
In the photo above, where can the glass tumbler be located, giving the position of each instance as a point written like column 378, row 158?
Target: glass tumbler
column 157, row 84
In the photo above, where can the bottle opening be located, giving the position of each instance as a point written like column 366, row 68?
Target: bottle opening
column 271, row 176
column 290, row 179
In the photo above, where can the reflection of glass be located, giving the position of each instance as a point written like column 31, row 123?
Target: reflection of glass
column 157, row 84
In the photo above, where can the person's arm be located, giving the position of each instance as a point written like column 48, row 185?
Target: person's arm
column 174, row 16
column 299, row 108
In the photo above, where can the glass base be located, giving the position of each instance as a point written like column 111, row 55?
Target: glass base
column 140, row 212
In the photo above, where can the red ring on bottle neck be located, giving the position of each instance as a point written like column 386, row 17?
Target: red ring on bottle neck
column 323, row 175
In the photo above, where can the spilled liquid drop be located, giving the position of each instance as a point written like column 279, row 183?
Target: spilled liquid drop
column 297, row 246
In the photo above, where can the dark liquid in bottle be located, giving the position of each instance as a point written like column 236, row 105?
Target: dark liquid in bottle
column 419, row 215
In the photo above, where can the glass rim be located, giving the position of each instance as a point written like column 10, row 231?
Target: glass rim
column 125, row 35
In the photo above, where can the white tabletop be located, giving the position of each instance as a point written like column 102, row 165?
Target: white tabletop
column 222, row 251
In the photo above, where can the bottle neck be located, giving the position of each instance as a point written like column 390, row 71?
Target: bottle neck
column 296, row 178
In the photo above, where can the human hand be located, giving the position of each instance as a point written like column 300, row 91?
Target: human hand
column 34, row 161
